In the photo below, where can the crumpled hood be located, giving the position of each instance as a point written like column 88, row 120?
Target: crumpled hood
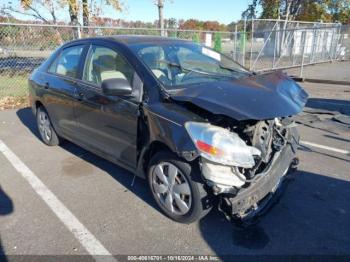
column 256, row 97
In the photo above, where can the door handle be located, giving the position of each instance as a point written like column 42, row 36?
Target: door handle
column 80, row 96
column 47, row 85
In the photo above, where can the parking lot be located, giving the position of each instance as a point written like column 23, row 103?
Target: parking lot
column 67, row 201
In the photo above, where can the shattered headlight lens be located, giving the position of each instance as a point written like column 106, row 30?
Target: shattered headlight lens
column 219, row 145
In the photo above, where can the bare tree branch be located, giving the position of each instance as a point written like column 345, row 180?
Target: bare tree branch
column 37, row 13
column 10, row 10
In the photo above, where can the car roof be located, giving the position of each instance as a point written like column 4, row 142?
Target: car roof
column 134, row 39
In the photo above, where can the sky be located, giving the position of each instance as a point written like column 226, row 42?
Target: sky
column 224, row 11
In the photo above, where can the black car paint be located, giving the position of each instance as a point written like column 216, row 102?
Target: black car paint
column 125, row 130
column 256, row 97
column 110, row 126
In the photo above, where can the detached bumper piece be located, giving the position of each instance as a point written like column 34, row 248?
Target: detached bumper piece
column 255, row 199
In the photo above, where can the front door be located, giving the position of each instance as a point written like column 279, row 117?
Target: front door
column 107, row 123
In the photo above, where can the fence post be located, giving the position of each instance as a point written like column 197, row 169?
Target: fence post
column 251, row 44
column 332, row 45
column 294, row 45
column 313, row 44
column 302, row 55
column 244, row 40
column 79, row 31
column 274, row 47
column 235, row 44
column 274, row 51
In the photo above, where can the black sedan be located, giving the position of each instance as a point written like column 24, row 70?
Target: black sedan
column 195, row 124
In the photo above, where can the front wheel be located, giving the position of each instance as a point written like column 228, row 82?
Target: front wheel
column 177, row 189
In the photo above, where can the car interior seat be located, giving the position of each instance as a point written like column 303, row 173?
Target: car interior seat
column 108, row 68
column 151, row 60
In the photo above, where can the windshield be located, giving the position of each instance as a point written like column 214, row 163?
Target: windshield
column 176, row 64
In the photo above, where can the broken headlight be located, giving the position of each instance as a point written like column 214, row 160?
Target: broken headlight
column 221, row 146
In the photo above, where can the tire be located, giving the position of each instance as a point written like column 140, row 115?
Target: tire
column 198, row 203
column 47, row 133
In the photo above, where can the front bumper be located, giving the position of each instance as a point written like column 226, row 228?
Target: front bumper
column 250, row 201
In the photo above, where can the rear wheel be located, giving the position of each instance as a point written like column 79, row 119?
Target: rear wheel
column 47, row 133
column 176, row 188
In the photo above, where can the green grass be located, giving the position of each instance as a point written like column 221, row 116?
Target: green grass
column 15, row 85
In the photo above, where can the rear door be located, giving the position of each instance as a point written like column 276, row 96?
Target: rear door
column 108, row 123
column 61, row 87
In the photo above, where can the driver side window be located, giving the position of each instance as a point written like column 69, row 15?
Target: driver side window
column 103, row 63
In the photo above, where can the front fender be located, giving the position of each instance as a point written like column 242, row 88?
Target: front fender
column 164, row 123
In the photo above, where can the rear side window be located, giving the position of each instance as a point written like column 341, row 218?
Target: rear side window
column 66, row 64
column 103, row 63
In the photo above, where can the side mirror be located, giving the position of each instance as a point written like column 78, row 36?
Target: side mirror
column 116, row 87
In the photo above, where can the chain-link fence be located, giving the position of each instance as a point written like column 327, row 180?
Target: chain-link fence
column 258, row 44
column 291, row 44
column 24, row 46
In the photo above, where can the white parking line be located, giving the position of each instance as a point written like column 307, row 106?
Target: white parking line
column 341, row 151
column 82, row 234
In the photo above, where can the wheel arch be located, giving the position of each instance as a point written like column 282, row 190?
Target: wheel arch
column 37, row 104
column 148, row 152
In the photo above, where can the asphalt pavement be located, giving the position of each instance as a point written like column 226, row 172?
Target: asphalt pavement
column 312, row 217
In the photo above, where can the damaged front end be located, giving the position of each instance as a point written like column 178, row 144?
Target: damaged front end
column 248, row 142
column 245, row 164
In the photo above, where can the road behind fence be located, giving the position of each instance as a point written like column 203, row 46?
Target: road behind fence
column 260, row 45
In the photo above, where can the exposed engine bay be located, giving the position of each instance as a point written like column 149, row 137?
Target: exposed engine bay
column 273, row 138
column 269, row 136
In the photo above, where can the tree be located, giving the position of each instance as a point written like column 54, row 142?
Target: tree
column 171, row 23
column 250, row 12
column 340, row 10
column 232, row 26
column 193, row 24
column 306, row 10
column 314, row 11
column 85, row 12
column 42, row 10
column 46, row 10
column 73, row 11
column 213, row 26
column 93, row 12
column 270, row 9
column 217, row 42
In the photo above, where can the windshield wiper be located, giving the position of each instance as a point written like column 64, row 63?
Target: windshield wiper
column 191, row 70
column 232, row 69
column 170, row 63
column 221, row 65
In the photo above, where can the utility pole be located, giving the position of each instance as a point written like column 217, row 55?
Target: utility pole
column 160, row 4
